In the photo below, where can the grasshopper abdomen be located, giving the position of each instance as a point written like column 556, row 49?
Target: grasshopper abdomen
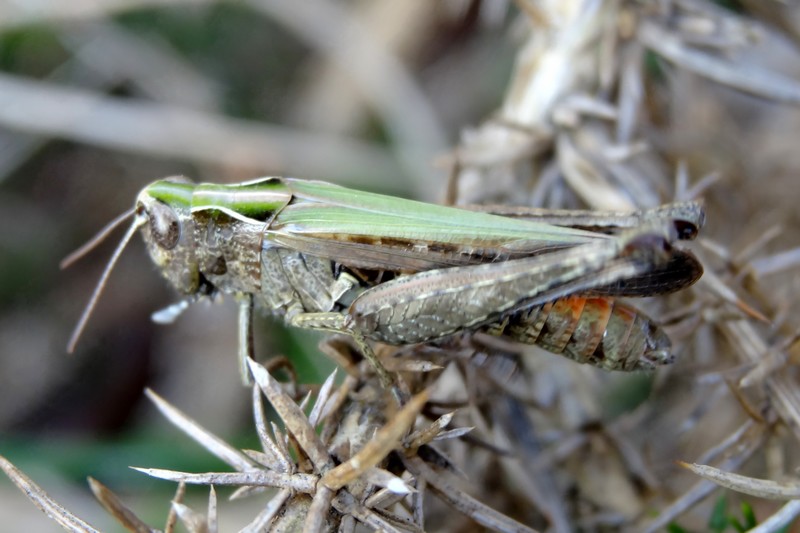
column 603, row 332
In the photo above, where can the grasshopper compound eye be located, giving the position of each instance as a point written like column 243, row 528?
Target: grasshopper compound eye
column 165, row 228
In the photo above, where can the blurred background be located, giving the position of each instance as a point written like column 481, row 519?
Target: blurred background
column 97, row 99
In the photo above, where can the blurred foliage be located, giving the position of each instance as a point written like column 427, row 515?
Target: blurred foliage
column 253, row 59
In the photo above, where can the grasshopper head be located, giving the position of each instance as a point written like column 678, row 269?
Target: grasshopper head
column 163, row 213
column 163, row 210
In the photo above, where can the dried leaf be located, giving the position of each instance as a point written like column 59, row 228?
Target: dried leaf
column 299, row 481
column 763, row 488
column 193, row 521
column 43, row 501
column 463, row 502
column 322, row 398
column 209, row 441
column 376, row 449
column 429, row 433
column 780, row 520
column 117, row 509
column 296, row 421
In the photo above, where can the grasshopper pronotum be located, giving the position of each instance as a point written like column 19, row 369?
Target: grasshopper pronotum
column 402, row 272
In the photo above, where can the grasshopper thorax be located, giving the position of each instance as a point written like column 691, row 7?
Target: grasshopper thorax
column 163, row 210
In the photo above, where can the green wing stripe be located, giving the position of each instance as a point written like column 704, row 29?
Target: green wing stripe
column 325, row 208
column 251, row 202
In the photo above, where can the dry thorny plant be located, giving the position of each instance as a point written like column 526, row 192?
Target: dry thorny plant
column 585, row 118
column 349, row 458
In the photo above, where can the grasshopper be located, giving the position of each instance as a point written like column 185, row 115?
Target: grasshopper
column 397, row 271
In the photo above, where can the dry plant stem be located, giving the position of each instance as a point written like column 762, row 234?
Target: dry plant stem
column 212, row 443
column 212, row 510
column 172, row 517
column 193, row 521
column 169, row 131
column 377, row 448
column 384, row 498
column 781, row 387
column 762, row 488
column 43, row 501
column 732, row 439
column 269, row 511
column 752, row 249
column 765, row 83
column 401, row 522
column 429, row 433
column 418, row 501
column 324, row 395
column 702, row 489
column 335, row 405
column 383, row 478
column 281, row 441
column 346, row 504
column 101, row 56
column 157, row 70
column 117, row 509
column 514, row 430
column 333, row 488
column 315, row 520
column 771, row 264
column 298, row 481
column 466, row 504
column 22, row 13
column 778, row 521
column 294, row 418
column 279, row 460
column 453, row 434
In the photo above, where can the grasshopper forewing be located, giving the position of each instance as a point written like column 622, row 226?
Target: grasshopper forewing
column 401, row 272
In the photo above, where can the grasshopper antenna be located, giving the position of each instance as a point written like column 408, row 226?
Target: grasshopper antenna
column 92, row 243
column 87, row 311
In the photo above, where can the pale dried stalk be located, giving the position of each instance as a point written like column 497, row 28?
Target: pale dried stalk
column 114, row 506
column 13, row 13
column 43, row 501
column 762, row 488
column 157, row 129
column 778, row 521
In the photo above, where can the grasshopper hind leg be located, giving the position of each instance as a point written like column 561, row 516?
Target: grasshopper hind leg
column 337, row 323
